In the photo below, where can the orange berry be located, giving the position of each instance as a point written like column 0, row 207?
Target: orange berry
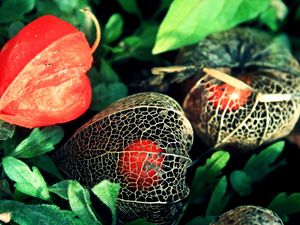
column 139, row 164
column 228, row 97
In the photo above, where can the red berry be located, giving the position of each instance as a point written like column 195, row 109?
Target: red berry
column 139, row 164
column 227, row 97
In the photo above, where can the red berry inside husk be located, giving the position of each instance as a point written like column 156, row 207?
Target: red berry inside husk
column 139, row 164
column 227, row 97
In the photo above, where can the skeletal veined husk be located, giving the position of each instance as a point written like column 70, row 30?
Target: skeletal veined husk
column 248, row 215
column 93, row 152
column 270, row 69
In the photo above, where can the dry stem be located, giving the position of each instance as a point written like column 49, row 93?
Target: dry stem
column 97, row 26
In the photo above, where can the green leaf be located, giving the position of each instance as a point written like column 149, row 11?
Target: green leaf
column 274, row 15
column 148, row 34
column 269, row 18
column 80, row 203
column 14, row 28
column 7, row 130
column 10, row 144
column 61, row 189
column 218, row 200
column 207, row 176
column 131, row 42
column 45, row 163
column 105, row 94
column 283, row 39
column 108, row 192
column 285, row 205
column 12, row 10
column 49, row 7
column 241, row 182
column 139, row 45
column 28, row 182
column 39, row 142
column 37, row 214
column 113, row 28
column 199, row 220
column 67, row 6
column 261, row 164
column 165, row 4
column 130, row 6
column 107, row 73
column 5, row 191
column 188, row 22
column 140, row 222
column 126, row 48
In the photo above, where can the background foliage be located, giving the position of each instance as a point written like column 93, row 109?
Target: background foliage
column 134, row 33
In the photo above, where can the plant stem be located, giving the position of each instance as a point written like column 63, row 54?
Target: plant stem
column 97, row 26
column 174, row 69
column 228, row 79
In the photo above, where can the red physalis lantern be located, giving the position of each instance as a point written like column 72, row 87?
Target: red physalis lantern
column 43, row 77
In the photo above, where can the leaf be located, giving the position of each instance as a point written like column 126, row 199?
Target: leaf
column 39, row 142
column 188, row 22
column 283, row 39
column 108, row 192
column 140, row 222
column 260, row 165
column 104, row 86
column 139, row 45
column 199, row 220
column 46, row 85
column 126, row 48
column 4, row 189
column 45, row 163
column 165, row 4
column 12, row 10
column 285, row 205
column 147, row 40
column 130, row 6
column 37, row 214
column 105, row 94
column 207, row 176
column 113, row 28
column 269, row 18
column 107, row 73
column 274, row 15
column 6, row 130
column 28, row 182
column 80, row 203
column 148, row 35
column 14, row 28
column 67, row 6
column 218, row 200
column 48, row 7
column 241, row 182
column 61, row 189
column 10, row 144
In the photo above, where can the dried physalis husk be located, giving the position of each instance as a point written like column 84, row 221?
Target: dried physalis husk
column 142, row 142
column 250, row 215
column 259, row 103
